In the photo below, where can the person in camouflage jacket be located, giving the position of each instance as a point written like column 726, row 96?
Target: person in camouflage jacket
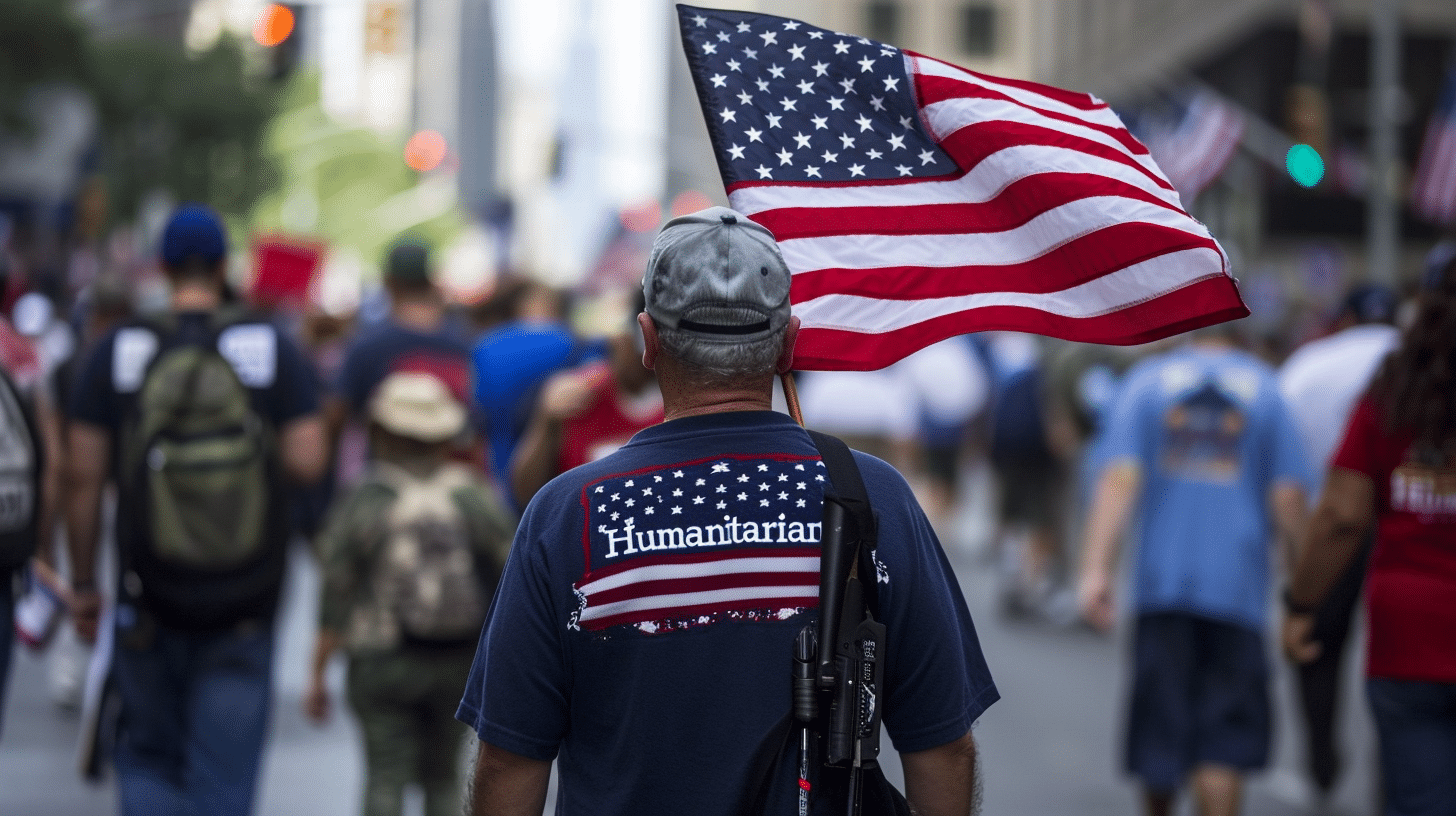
column 409, row 559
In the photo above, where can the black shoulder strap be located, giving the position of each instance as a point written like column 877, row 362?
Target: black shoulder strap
column 849, row 487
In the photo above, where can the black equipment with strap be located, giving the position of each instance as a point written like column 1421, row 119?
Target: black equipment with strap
column 838, row 666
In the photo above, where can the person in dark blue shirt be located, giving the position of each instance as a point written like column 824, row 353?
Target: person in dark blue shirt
column 194, row 640
column 642, row 632
column 414, row 339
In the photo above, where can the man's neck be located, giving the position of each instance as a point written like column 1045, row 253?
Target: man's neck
column 420, row 315
column 195, row 297
column 681, row 397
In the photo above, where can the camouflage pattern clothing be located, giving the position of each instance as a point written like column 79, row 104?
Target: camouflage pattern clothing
column 406, row 703
column 403, row 690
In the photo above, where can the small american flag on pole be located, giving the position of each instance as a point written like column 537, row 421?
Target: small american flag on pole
column 1433, row 195
column 1195, row 151
column 914, row 200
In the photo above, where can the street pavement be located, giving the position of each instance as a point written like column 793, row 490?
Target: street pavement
column 1048, row 748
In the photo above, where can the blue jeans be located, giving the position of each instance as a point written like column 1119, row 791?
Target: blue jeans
column 1416, row 722
column 194, row 715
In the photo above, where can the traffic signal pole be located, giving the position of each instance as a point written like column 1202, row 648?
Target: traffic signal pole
column 1382, row 209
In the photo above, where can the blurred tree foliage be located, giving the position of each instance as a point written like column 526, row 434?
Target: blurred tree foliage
column 347, row 184
column 189, row 124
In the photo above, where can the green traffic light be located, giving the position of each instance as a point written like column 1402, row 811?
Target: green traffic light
column 1305, row 165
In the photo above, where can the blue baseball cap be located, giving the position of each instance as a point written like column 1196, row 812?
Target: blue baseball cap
column 1371, row 303
column 194, row 232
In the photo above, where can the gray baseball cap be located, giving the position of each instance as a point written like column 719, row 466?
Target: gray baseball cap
column 718, row 276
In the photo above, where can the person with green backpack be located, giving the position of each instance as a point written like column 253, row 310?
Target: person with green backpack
column 202, row 416
column 410, row 557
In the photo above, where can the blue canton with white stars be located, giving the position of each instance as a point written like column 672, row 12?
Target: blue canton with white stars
column 741, row 500
column 788, row 102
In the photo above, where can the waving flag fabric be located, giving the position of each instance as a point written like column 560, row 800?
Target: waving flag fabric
column 1433, row 193
column 915, row 200
column 1194, row 153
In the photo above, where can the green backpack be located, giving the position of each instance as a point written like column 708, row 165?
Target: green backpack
column 199, row 457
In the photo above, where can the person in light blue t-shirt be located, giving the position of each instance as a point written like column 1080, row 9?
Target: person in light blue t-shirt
column 1199, row 445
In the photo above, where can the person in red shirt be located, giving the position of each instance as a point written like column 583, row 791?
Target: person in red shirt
column 586, row 413
column 1396, row 470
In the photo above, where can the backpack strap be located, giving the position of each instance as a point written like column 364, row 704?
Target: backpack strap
column 847, row 484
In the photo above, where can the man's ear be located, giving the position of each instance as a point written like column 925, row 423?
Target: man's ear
column 649, row 340
column 791, row 336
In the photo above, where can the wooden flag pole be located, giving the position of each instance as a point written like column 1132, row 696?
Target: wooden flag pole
column 791, row 396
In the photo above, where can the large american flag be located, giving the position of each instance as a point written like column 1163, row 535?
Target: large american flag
column 687, row 544
column 1433, row 193
column 914, row 200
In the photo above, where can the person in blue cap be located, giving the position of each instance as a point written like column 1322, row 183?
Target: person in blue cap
column 201, row 416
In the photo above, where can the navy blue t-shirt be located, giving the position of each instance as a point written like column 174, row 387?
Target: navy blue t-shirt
column 643, row 629
column 391, row 348
column 279, row 379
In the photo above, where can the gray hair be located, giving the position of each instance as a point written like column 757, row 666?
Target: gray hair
column 715, row 359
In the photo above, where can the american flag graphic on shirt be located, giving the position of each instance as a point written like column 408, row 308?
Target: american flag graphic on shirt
column 693, row 543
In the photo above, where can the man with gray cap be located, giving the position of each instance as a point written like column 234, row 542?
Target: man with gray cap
column 642, row 632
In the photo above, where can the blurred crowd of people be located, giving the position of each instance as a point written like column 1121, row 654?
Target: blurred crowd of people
column 1200, row 450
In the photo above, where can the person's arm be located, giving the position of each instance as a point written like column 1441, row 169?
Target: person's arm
column 534, row 462
column 1112, row 507
column 48, row 425
column 304, row 450
column 1288, row 507
column 87, row 467
column 316, row 703
column 336, row 414
column 1340, row 523
column 507, row 784
column 945, row 780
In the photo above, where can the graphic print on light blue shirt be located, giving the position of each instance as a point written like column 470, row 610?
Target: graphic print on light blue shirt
column 689, row 544
column 1210, row 436
column 1202, row 432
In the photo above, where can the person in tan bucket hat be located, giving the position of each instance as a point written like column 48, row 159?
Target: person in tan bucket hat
column 410, row 560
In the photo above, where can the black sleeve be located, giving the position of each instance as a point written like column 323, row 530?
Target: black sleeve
column 92, row 395
column 295, row 390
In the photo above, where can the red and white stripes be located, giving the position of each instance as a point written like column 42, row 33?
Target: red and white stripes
column 1059, row 222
